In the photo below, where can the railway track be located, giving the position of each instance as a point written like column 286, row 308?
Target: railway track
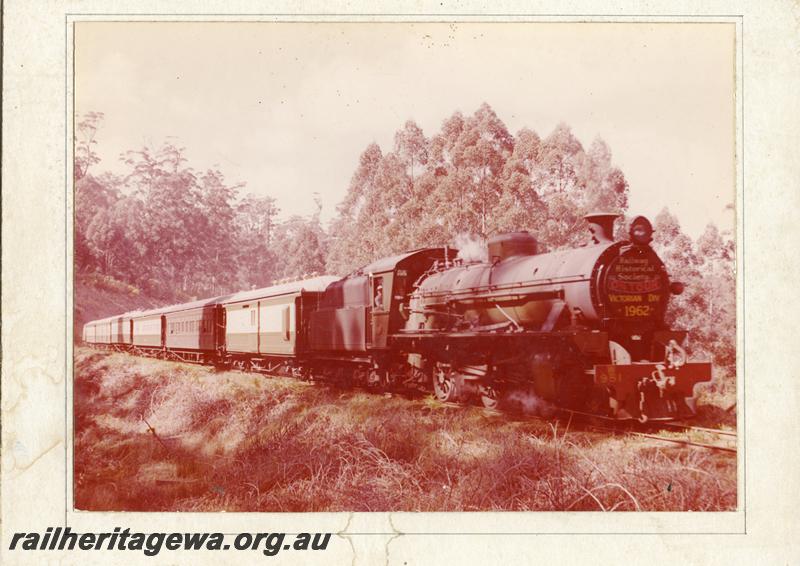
column 709, row 439
column 674, row 432
column 664, row 431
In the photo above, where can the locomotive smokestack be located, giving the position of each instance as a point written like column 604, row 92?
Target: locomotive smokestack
column 601, row 225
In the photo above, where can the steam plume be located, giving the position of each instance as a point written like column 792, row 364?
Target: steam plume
column 471, row 248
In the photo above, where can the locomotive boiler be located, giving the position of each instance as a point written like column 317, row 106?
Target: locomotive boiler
column 583, row 328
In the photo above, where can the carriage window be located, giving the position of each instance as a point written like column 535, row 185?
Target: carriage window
column 252, row 318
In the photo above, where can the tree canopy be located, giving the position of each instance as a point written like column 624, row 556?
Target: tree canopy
column 472, row 178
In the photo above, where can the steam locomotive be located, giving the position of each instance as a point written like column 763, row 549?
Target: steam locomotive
column 581, row 328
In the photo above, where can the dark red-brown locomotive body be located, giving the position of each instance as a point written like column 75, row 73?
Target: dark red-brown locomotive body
column 581, row 328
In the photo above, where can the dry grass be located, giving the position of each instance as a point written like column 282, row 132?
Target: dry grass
column 244, row 442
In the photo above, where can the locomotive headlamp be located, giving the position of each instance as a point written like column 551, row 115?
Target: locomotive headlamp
column 641, row 231
column 676, row 287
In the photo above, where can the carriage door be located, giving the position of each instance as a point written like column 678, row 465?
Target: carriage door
column 380, row 300
column 220, row 316
column 163, row 331
column 130, row 334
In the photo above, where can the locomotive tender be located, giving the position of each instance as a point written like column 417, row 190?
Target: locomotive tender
column 581, row 328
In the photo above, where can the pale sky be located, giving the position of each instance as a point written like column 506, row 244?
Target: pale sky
column 289, row 107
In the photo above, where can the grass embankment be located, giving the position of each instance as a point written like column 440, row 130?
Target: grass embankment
column 98, row 296
column 245, row 442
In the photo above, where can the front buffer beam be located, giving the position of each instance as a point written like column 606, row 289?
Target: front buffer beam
column 646, row 391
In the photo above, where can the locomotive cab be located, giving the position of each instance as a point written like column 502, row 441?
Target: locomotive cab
column 360, row 312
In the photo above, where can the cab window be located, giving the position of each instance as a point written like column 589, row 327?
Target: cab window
column 377, row 293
